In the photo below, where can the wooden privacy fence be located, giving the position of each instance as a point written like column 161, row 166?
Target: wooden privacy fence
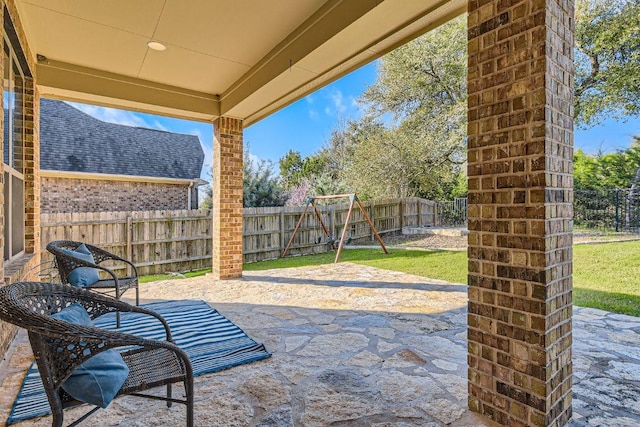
column 163, row 241
column 155, row 241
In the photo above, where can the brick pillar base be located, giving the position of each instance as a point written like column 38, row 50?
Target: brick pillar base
column 520, row 151
column 227, row 198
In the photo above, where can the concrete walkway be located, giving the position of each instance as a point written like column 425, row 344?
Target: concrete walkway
column 358, row 346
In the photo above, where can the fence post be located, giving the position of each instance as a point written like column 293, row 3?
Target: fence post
column 617, row 209
column 332, row 221
column 129, row 233
column 372, row 206
column 282, row 229
column 419, row 205
column 435, row 214
column 401, row 215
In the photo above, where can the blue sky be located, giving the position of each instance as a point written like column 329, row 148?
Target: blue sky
column 306, row 125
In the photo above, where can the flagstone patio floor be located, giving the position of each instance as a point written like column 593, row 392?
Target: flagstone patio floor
column 358, row 346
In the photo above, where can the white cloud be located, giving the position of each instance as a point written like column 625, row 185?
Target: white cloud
column 159, row 126
column 112, row 115
column 309, row 99
column 255, row 159
column 313, row 114
column 328, row 111
column 338, row 101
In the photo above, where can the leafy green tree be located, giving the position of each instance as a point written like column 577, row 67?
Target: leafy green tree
column 607, row 60
column 291, row 169
column 260, row 184
column 411, row 141
column 294, row 169
column 585, row 171
column 601, row 171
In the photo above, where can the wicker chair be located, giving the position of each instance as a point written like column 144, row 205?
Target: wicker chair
column 66, row 263
column 60, row 347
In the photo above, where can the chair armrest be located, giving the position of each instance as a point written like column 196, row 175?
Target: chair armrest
column 101, row 255
column 75, row 344
column 96, row 265
column 115, row 305
column 95, row 303
column 138, row 309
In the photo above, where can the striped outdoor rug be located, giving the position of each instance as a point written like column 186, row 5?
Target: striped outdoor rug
column 211, row 341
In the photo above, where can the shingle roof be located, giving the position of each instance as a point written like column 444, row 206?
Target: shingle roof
column 71, row 140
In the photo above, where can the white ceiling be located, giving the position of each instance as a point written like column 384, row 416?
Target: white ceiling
column 242, row 58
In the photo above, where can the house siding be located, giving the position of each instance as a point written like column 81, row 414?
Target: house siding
column 59, row 195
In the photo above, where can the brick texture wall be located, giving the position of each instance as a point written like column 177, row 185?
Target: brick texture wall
column 520, row 151
column 32, row 168
column 60, row 195
column 227, row 198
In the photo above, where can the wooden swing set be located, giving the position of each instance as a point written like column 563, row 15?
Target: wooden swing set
column 311, row 201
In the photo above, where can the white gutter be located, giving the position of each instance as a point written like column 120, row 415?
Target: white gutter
column 189, row 195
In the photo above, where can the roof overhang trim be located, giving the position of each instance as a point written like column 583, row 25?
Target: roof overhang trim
column 117, row 177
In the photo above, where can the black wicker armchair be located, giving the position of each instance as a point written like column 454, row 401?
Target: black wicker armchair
column 67, row 262
column 60, row 347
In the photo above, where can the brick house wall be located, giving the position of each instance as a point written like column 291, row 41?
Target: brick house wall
column 59, row 195
column 25, row 267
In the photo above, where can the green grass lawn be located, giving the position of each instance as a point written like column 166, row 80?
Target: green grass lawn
column 445, row 265
column 605, row 276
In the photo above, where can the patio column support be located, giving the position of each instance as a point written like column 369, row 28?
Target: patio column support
column 520, row 151
column 227, row 198
column 32, row 169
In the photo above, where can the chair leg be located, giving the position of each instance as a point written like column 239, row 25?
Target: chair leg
column 188, row 387
column 137, row 294
column 117, row 312
column 169, row 403
column 57, row 417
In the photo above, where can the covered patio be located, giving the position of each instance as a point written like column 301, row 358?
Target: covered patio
column 358, row 346
column 231, row 64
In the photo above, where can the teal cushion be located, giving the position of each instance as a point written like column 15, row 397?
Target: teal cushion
column 97, row 380
column 83, row 276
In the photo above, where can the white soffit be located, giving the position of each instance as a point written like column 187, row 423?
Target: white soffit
column 257, row 55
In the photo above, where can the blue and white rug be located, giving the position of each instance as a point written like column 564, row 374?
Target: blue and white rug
column 211, row 341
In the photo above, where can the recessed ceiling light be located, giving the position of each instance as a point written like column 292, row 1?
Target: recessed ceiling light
column 156, row 46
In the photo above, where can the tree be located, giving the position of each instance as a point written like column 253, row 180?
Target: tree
column 294, row 169
column 260, row 186
column 607, row 60
column 291, row 169
column 602, row 171
column 207, row 196
column 411, row 140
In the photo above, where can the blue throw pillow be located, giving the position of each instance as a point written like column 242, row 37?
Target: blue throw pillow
column 97, row 380
column 83, row 276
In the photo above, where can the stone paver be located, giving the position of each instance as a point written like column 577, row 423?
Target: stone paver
column 358, row 346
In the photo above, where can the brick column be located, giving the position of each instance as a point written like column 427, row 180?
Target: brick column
column 520, row 151
column 227, row 198
column 32, row 168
